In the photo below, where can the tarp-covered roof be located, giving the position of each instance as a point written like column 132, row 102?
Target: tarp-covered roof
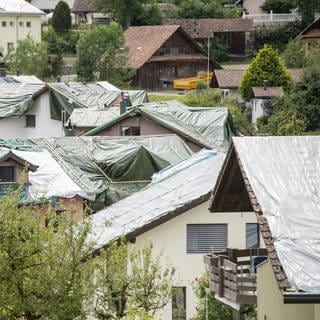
column 97, row 96
column 109, row 167
column 17, row 98
column 207, row 127
column 284, row 173
column 172, row 192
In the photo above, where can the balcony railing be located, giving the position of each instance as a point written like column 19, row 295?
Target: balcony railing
column 233, row 273
column 270, row 18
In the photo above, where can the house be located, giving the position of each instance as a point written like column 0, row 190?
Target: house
column 311, row 34
column 18, row 20
column 161, row 54
column 205, row 127
column 277, row 178
column 107, row 169
column 261, row 102
column 172, row 213
column 49, row 5
column 236, row 32
column 25, row 109
column 86, row 14
column 91, row 104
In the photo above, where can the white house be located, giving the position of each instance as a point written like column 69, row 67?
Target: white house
column 18, row 20
column 172, row 212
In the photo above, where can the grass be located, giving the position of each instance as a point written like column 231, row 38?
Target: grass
column 164, row 97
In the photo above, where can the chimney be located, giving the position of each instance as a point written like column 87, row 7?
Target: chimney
column 124, row 104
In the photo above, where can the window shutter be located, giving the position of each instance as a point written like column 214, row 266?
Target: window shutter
column 203, row 238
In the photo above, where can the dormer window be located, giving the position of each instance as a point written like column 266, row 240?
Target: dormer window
column 7, row 174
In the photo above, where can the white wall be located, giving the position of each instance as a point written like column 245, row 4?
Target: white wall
column 18, row 27
column 257, row 109
column 45, row 126
column 170, row 237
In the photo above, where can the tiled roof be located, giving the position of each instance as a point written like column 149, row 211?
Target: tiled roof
column 144, row 41
column 227, row 79
column 296, row 74
column 313, row 28
column 268, row 92
column 49, row 4
column 82, row 6
column 203, row 28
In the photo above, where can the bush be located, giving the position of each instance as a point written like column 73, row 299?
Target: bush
column 61, row 19
column 62, row 42
column 277, row 6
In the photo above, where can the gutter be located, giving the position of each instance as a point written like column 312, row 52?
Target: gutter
column 301, row 298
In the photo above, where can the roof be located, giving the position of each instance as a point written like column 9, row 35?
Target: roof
column 19, row 7
column 267, row 92
column 8, row 154
column 144, row 41
column 281, row 178
column 227, row 79
column 207, row 127
column 49, row 4
column 104, row 168
column 231, row 79
column 82, row 6
column 173, row 191
column 313, row 30
column 203, row 28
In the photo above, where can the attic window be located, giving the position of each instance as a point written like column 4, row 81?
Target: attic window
column 130, row 131
column 7, row 174
column 30, row 120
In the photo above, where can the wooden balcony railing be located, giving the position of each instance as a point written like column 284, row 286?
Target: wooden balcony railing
column 233, row 274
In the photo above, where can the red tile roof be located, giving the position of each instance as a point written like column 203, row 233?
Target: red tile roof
column 268, row 92
column 82, row 6
column 203, row 28
column 227, row 79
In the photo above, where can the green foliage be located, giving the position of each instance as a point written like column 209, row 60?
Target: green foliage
column 30, row 58
column 62, row 42
column 200, row 9
column 219, row 49
column 269, row 66
column 293, row 55
column 61, row 19
column 123, row 11
column 204, row 98
column 277, row 36
column 278, row 6
column 42, row 275
column 131, row 282
column 149, row 15
column 101, row 53
column 308, row 10
column 201, row 85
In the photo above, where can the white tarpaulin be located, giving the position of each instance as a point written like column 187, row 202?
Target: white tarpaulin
column 284, row 173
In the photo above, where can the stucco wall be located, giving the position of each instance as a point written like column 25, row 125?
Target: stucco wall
column 253, row 6
column 45, row 126
column 17, row 29
column 170, row 238
column 270, row 299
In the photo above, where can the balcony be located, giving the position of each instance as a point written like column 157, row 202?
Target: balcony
column 233, row 274
column 269, row 19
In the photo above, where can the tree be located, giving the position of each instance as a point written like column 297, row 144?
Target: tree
column 293, row 55
column 266, row 66
column 307, row 9
column 61, row 18
column 278, row 6
column 123, row 10
column 150, row 15
column 101, row 49
column 30, row 58
column 42, row 274
column 131, row 282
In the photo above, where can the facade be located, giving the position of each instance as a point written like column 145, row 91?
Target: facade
column 236, row 32
column 273, row 177
column 311, row 34
column 172, row 212
column 18, row 20
column 161, row 54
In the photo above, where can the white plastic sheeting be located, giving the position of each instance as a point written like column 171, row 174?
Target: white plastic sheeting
column 49, row 180
column 19, row 7
column 284, row 173
column 174, row 190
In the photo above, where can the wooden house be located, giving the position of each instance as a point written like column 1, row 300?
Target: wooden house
column 311, row 34
column 236, row 32
column 161, row 54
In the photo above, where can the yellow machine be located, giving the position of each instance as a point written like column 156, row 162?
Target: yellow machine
column 192, row 82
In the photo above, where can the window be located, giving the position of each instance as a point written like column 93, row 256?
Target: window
column 179, row 303
column 30, row 120
column 7, row 174
column 28, row 24
column 21, row 23
column 4, row 23
column 203, row 238
column 252, row 235
column 130, row 131
column 10, row 46
column 11, row 23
